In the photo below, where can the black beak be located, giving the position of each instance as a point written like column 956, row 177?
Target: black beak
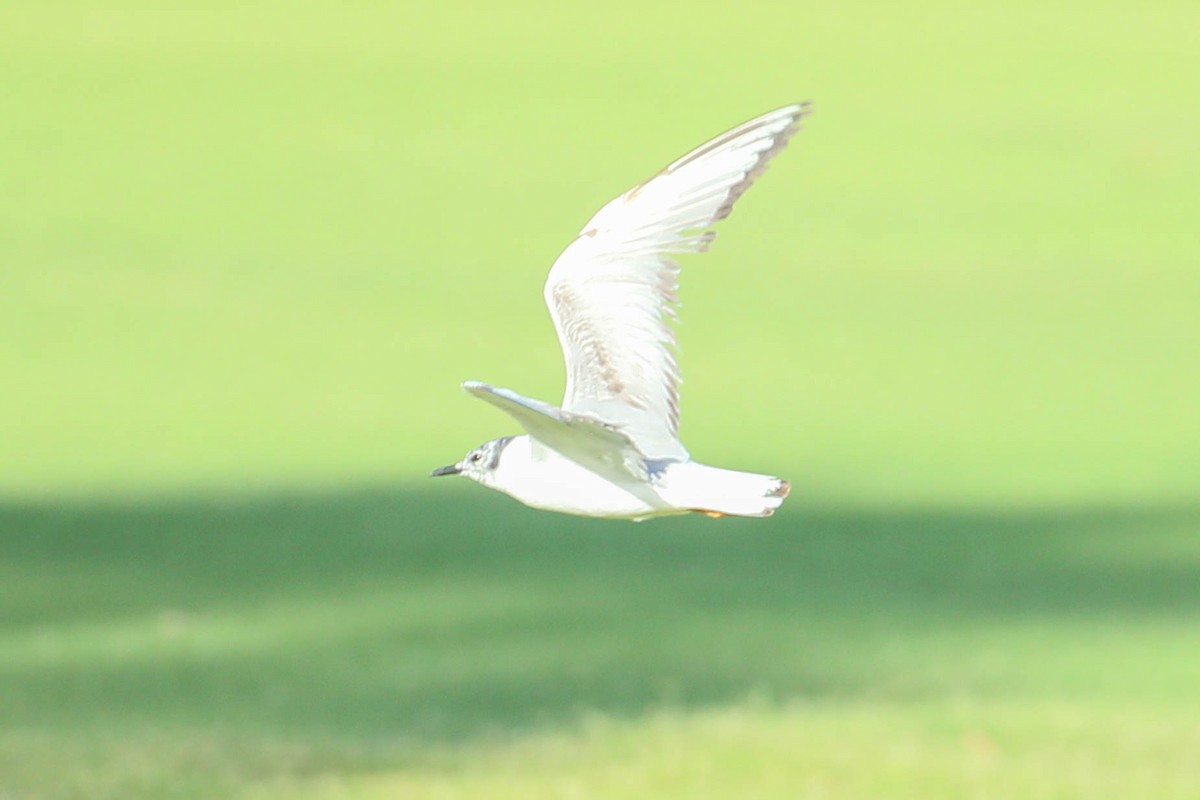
column 453, row 469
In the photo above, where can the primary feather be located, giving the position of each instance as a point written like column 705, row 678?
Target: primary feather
column 612, row 292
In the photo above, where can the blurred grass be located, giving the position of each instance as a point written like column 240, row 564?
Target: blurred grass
column 399, row 643
column 248, row 250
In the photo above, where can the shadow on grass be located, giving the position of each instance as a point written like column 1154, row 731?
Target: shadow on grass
column 442, row 615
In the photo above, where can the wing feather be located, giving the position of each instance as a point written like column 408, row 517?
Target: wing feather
column 612, row 292
column 597, row 445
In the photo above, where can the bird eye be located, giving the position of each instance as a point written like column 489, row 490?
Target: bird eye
column 476, row 456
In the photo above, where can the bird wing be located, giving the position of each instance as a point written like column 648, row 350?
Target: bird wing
column 586, row 440
column 611, row 293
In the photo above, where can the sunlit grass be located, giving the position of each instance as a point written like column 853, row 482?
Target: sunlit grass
column 237, row 258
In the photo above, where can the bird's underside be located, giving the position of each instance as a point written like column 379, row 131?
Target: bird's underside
column 576, row 463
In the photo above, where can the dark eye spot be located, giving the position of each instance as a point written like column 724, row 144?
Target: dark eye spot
column 476, row 456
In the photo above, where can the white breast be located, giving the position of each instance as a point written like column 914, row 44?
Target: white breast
column 546, row 480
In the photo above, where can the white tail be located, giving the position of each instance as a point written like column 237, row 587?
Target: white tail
column 722, row 492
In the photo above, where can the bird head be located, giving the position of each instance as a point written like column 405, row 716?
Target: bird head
column 480, row 464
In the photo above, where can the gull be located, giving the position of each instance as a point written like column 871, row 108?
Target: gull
column 612, row 449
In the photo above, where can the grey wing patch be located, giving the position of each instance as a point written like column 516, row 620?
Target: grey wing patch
column 594, row 375
column 587, row 440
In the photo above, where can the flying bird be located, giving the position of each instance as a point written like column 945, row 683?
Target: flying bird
column 612, row 449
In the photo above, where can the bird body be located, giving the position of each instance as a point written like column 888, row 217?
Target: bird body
column 612, row 449
column 542, row 478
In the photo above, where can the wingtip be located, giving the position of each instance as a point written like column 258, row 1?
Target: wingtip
column 795, row 111
column 801, row 108
column 475, row 387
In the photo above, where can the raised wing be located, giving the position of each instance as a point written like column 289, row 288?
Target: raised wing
column 612, row 293
column 599, row 446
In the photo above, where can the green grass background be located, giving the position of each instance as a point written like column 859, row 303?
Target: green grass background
column 248, row 251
